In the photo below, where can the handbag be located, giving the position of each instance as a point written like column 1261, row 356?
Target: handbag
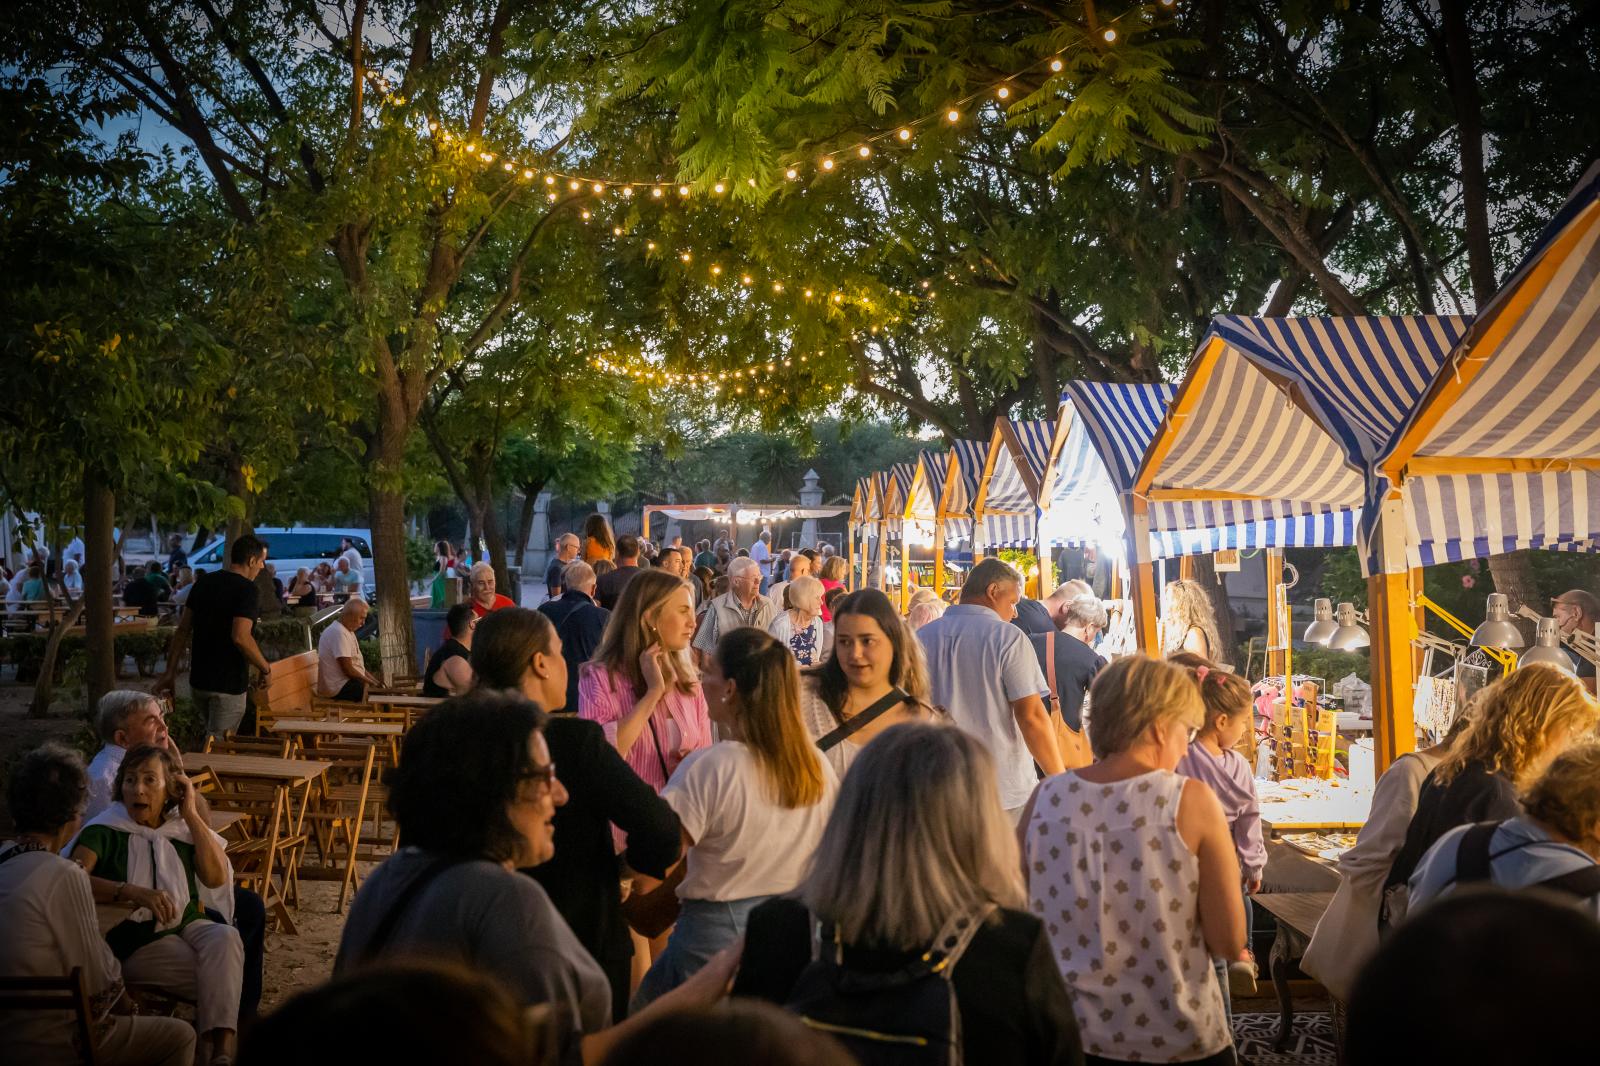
column 1073, row 744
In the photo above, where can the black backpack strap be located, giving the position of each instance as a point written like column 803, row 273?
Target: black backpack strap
column 380, row 935
column 1472, row 856
column 1581, row 884
column 864, row 719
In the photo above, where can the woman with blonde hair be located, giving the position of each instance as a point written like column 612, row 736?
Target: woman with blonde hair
column 1552, row 845
column 917, row 851
column 1523, row 722
column 598, row 540
column 1188, row 623
column 800, row 628
column 1132, row 867
column 640, row 685
column 874, row 678
column 753, row 805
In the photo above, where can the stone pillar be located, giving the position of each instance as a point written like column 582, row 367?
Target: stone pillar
column 810, row 496
column 538, row 547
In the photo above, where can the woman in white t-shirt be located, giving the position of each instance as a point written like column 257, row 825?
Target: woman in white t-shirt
column 753, row 806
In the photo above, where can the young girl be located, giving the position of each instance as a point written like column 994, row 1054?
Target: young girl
column 153, row 849
column 1212, row 759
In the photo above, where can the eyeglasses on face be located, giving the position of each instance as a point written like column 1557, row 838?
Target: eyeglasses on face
column 544, row 775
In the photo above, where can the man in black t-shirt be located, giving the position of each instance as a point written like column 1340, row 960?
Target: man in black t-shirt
column 566, row 551
column 220, row 614
column 1076, row 663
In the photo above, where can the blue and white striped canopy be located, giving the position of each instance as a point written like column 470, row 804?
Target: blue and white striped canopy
column 961, row 487
column 858, row 504
column 1108, row 427
column 1009, row 497
column 896, row 490
column 1519, row 392
column 1291, row 420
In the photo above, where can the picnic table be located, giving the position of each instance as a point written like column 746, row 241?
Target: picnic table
column 285, row 777
column 400, row 699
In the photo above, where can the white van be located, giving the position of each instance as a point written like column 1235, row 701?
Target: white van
column 290, row 549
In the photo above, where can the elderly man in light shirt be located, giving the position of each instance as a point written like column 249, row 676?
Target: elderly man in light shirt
column 125, row 718
column 741, row 605
column 983, row 671
column 341, row 672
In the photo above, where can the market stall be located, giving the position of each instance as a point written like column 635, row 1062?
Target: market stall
column 1271, row 439
column 896, row 490
column 1502, row 449
column 1012, row 488
column 939, row 504
column 856, row 538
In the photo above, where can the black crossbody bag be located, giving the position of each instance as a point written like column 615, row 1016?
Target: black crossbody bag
column 864, row 719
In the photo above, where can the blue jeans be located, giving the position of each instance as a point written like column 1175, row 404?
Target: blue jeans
column 705, row 927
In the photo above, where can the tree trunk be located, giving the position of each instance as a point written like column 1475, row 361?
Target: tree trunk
column 480, row 468
column 386, row 515
column 1205, row 572
column 99, row 513
column 44, row 686
column 1463, row 84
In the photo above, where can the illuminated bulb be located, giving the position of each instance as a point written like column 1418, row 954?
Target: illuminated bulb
column 808, row 294
column 777, row 286
column 750, row 182
column 448, row 136
column 574, row 185
column 1110, row 35
column 616, row 231
column 549, row 179
column 827, row 164
column 551, row 197
column 472, row 148
column 627, row 192
column 791, row 173
column 863, row 151
column 716, row 271
column 656, row 192
column 487, row 157
column 925, row 284
column 1055, row 66
column 432, row 126
column 683, row 190
column 746, row 279
column 1003, row 92
column 686, row 257
column 904, row 134
column 786, row 362
column 586, row 215
column 597, row 188
column 508, row 166
column 527, row 175
column 952, row 115
column 649, row 246
column 719, row 188
column 838, row 297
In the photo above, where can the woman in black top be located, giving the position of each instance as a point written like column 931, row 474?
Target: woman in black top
column 516, row 648
column 1521, row 724
column 455, row 680
column 917, row 838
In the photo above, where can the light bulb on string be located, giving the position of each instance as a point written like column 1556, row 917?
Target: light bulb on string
column 1056, row 65
column 472, row 149
column 863, row 151
column 827, row 164
column 791, row 173
column 685, row 256
column 1004, row 92
column 507, row 166
column 574, row 185
column 719, row 188
column 597, row 188
column 627, row 192
column 527, row 175
column 656, row 192
column 549, row 179
column 1109, row 35
column 616, row 231
column 904, row 133
column 683, row 190
column 952, row 115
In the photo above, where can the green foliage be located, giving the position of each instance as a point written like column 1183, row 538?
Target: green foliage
column 1331, row 666
column 419, row 558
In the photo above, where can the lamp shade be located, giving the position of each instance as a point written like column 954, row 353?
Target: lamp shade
column 1323, row 627
column 1349, row 636
column 1547, row 648
column 1497, row 630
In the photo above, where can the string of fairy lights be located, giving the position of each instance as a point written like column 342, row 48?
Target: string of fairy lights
column 556, row 181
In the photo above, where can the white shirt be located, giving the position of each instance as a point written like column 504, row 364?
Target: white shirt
column 335, row 643
column 353, row 557
column 745, row 845
column 762, row 555
column 47, row 912
column 978, row 666
column 102, row 776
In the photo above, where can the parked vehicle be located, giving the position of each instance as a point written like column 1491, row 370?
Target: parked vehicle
column 290, row 549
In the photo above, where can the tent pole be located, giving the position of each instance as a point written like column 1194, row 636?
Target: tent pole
column 644, row 524
column 850, row 554
column 1277, row 638
column 1142, row 578
column 1394, row 730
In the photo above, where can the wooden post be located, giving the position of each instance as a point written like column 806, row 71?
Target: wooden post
column 1394, row 730
column 850, row 556
column 938, row 558
column 1142, row 578
column 1277, row 637
column 1186, row 568
column 905, row 569
column 644, row 524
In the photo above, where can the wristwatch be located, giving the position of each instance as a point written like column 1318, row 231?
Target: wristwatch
column 117, row 895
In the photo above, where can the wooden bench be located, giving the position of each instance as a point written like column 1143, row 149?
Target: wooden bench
column 289, row 690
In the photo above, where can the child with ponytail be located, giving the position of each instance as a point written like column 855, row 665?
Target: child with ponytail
column 1229, row 715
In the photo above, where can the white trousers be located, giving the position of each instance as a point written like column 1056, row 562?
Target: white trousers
column 203, row 962
column 140, row 1041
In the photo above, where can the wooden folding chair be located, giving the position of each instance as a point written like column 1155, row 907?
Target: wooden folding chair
column 53, row 993
column 272, row 747
column 337, row 818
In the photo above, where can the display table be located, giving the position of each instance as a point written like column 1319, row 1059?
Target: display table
column 1304, row 805
column 1297, row 914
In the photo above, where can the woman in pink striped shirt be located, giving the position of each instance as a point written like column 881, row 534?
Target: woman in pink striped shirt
column 641, row 687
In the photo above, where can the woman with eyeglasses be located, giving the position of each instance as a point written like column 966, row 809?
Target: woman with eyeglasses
column 1133, row 870
column 475, row 797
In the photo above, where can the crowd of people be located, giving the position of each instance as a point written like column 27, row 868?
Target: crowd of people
column 657, row 820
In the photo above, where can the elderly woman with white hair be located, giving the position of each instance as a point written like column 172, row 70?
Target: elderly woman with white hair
column 484, row 597
column 800, row 628
column 917, row 874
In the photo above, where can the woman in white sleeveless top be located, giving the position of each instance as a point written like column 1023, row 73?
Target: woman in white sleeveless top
column 1133, row 872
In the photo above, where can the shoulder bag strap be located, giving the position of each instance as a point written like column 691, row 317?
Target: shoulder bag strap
column 864, row 719
column 1050, row 669
column 956, row 935
column 1579, row 883
column 1472, row 856
column 380, row 935
column 660, row 755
